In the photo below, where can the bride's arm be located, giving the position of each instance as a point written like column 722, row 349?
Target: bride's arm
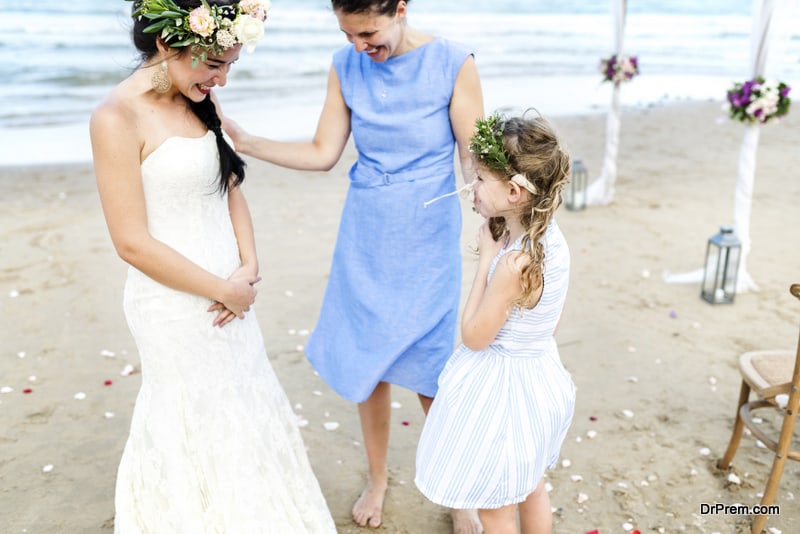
column 245, row 237
column 116, row 152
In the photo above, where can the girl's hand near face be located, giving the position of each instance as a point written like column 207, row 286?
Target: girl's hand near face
column 487, row 246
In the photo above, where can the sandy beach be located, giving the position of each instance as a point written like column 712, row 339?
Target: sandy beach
column 655, row 365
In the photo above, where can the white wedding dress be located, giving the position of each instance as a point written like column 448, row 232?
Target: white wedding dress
column 213, row 446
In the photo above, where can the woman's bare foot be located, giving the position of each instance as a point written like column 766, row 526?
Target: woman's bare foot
column 369, row 506
column 466, row 522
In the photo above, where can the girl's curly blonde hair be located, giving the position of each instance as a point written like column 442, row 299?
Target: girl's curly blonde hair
column 534, row 151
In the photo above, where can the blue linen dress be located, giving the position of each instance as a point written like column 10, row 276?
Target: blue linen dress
column 391, row 304
column 502, row 413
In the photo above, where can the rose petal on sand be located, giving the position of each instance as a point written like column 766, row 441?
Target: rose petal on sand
column 782, row 400
column 632, row 379
column 705, row 451
column 79, row 395
column 292, row 331
column 21, row 354
column 330, row 425
column 631, row 348
column 32, row 378
column 302, row 422
column 406, row 423
column 732, row 478
column 108, row 415
column 303, row 332
column 566, row 462
column 591, row 434
column 396, row 404
column 645, row 273
column 289, row 293
column 298, row 406
column 127, row 370
column 317, row 392
column 107, row 382
column 13, row 294
column 27, row 391
column 299, row 348
column 627, row 527
column 107, row 353
column 576, row 478
column 773, row 530
column 6, row 389
column 548, row 487
column 578, row 439
column 582, row 498
column 47, row 468
column 627, row 413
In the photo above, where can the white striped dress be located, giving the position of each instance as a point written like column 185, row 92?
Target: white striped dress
column 502, row 413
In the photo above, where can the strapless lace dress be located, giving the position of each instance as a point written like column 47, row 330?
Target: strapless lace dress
column 213, row 445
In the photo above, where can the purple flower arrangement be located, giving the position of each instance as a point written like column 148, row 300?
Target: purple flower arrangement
column 618, row 69
column 758, row 100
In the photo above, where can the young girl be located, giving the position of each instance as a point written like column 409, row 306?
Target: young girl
column 505, row 401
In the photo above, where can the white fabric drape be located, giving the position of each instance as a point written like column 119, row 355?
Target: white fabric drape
column 763, row 16
column 601, row 191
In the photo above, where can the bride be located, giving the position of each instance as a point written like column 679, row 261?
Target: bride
column 213, row 444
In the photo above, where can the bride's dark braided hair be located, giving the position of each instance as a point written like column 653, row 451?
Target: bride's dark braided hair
column 231, row 165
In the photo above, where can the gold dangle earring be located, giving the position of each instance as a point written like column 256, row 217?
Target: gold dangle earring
column 160, row 79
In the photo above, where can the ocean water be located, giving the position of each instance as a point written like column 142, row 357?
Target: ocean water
column 60, row 58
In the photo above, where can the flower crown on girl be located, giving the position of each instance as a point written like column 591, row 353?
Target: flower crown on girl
column 207, row 29
column 487, row 144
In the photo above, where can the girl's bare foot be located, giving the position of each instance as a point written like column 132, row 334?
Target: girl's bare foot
column 369, row 506
column 466, row 522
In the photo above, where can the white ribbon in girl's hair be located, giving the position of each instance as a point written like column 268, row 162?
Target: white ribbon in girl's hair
column 466, row 188
column 521, row 181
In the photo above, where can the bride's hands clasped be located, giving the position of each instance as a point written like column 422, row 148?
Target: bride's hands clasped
column 240, row 296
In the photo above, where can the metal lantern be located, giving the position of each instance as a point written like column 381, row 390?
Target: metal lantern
column 575, row 192
column 721, row 267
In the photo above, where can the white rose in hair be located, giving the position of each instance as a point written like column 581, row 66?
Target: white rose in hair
column 248, row 30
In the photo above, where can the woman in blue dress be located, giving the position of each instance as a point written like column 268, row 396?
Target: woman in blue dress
column 391, row 304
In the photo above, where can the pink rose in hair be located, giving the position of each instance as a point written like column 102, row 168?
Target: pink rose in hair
column 201, row 22
column 255, row 8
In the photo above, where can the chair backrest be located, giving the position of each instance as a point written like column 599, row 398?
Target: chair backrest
column 795, row 289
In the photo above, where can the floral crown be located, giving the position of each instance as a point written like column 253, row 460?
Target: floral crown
column 487, row 142
column 205, row 29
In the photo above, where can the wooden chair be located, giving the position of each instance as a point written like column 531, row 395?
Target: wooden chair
column 768, row 373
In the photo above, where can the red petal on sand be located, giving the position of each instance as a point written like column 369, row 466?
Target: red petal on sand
column 27, row 390
column 107, row 383
column 592, row 418
column 406, row 423
column 595, row 531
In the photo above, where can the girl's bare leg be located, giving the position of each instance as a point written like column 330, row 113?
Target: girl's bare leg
column 535, row 513
column 499, row 520
column 464, row 521
column 375, row 413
